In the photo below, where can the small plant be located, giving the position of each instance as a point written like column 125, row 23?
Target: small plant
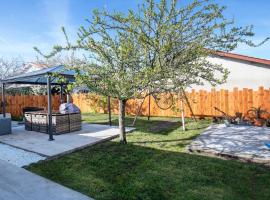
column 258, row 114
column 238, row 119
column 267, row 123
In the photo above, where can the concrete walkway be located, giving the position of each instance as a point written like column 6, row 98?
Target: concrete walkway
column 18, row 156
column 241, row 142
column 19, row 184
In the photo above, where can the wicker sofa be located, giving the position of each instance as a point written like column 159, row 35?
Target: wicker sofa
column 61, row 123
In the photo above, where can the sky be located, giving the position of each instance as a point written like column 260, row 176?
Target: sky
column 29, row 23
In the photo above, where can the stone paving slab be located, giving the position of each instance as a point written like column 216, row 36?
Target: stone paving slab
column 246, row 143
column 65, row 143
column 19, row 184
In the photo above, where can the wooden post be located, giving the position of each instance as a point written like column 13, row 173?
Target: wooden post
column 138, row 112
column 188, row 103
column 183, row 116
column 149, row 107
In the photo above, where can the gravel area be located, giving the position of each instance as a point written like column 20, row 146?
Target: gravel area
column 17, row 156
column 241, row 142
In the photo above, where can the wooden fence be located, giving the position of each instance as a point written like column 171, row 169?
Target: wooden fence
column 202, row 103
column 15, row 104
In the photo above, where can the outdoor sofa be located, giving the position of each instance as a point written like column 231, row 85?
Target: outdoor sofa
column 61, row 123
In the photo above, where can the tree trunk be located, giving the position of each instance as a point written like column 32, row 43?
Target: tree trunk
column 122, row 106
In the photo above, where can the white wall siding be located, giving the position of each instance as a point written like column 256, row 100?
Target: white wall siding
column 243, row 74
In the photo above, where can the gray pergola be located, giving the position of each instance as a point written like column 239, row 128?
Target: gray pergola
column 41, row 77
column 44, row 77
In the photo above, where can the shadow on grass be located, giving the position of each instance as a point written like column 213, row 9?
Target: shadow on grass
column 156, row 125
column 114, row 171
column 166, row 141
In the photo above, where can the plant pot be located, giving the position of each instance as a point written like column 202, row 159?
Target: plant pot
column 258, row 122
column 267, row 123
column 227, row 123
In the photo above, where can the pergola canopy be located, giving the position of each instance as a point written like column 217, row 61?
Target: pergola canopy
column 39, row 77
column 43, row 77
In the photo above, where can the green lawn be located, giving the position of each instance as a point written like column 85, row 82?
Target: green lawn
column 154, row 165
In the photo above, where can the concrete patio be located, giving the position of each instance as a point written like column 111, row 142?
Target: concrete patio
column 65, row 143
column 245, row 143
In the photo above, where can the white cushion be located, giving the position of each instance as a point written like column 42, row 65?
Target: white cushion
column 66, row 108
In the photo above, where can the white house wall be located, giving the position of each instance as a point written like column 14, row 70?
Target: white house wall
column 243, row 74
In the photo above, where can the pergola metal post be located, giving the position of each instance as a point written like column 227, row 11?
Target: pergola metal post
column 49, row 108
column 3, row 100
column 109, row 110
column 61, row 94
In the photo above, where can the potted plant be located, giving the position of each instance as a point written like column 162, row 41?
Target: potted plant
column 257, row 113
column 267, row 123
column 238, row 119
